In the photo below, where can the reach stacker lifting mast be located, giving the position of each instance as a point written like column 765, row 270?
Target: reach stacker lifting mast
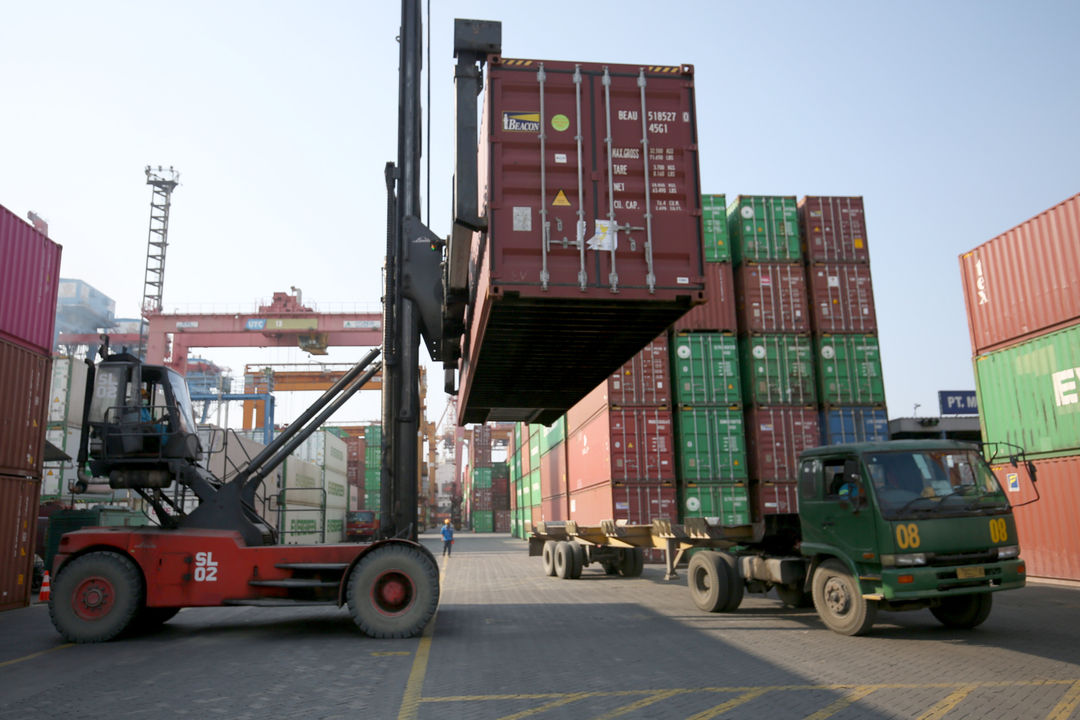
column 140, row 433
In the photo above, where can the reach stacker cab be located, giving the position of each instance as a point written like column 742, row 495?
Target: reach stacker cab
column 139, row 432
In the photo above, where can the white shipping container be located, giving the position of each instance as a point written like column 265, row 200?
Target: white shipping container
column 300, row 524
column 335, row 484
column 55, row 476
column 67, row 390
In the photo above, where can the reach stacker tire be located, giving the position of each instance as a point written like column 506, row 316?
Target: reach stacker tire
column 549, row 558
column 95, row 597
column 839, row 602
column 964, row 611
column 393, row 592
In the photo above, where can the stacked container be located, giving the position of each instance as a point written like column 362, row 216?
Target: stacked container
column 480, row 490
column 313, row 498
column 779, row 394
column 1022, row 291
column 355, row 453
column 67, row 391
column 525, row 467
column 29, row 278
column 372, row 468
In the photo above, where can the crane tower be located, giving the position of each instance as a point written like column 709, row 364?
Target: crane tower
column 163, row 181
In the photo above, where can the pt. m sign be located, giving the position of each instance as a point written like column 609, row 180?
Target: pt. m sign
column 958, row 402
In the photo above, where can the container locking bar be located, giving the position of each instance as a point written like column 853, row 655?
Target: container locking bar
column 650, row 277
column 578, row 138
column 613, row 276
column 545, row 224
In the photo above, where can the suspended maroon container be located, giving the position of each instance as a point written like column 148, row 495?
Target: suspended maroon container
column 29, row 282
column 775, row 436
column 772, row 298
column 834, row 229
column 717, row 314
column 592, row 248
column 841, row 298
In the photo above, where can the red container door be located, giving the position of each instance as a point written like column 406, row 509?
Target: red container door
column 834, row 229
column 775, row 437
column 642, row 445
column 18, row 525
column 553, row 472
column 718, row 311
column 24, row 389
column 645, row 380
column 772, row 298
column 842, row 298
column 774, row 498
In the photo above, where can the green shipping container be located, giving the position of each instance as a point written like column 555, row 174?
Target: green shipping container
column 727, row 505
column 706, row 369
column 534, row 485
column 714, row 223
column 1029, row 394
column 481, row 477
column 764, row 229
column 373, row 446
column 777, row 370
column 483, row 521
column 711, row 445
column 552, row 436
column 849, row 368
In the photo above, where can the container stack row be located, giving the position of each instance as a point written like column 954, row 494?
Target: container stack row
column 372, row 468
column 67, row 392
column 29, row 279
column 356, row 462
column 1022, row 291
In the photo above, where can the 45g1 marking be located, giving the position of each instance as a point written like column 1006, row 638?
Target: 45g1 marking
column 999, row 530
column 907, row 536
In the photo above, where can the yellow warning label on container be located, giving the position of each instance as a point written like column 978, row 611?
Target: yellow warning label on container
column 560, row 200
column 858, row 243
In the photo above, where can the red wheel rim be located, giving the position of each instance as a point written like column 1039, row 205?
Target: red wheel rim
column 393, row 592
column 93, row 598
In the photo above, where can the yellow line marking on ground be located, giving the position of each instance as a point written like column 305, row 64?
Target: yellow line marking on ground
column 573, row 697
column 410, row 701
column 1068, row 703
column 388, row 654
column 851, row 698
column 730, row 704
column 34, row 655
column 942, row 708
column 644, row 702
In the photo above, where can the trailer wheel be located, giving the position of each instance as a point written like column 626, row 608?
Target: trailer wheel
column 564, row 560
column 632, row 563
column 549, row 558
column 839, row 602
column 393, row 592
column 964, row 611
column 794, row 597
column 577, row 552
column 708, row 581
column 735, row 584
column 610, row 567
column 96, row 597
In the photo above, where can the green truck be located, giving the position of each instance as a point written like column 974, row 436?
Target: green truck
column 887, row 526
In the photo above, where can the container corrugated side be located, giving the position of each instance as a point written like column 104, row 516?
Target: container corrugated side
column 764, row 229
column 834, row 229
column 29, row 281
column 24, row 387
column 841, row 298
column 1025, row 281
column 1029, row 394
column 637, row 279
column 18, row 525
column 771, row 298
column 553, row 472
column 718, row 312
column 726, row 505
column 705, row 369
column 777, row 370
column 1047, row 527
column 637, row 504
column 853, row 424
column 770, row 498
column 714, row 223
column 774, row 438
column 849, row 367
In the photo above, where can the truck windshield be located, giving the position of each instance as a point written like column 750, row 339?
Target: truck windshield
column 933, row 482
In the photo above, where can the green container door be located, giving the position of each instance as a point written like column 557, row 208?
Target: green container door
column 727, row 505
column 483, row 521
column 764, row 229
column 777, row 370
column 714, row 223
column 712, row 445
column 849, row 367
column 481, row 477
column 1029, row 394
column 706, row 369
column 373, row 446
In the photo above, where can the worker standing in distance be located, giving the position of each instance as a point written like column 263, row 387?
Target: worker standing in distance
column 447, row 537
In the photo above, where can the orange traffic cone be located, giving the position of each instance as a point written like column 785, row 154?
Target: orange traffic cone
column 46, row 587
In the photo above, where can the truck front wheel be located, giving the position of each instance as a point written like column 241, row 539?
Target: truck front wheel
column 839, row 602
column 964, row 611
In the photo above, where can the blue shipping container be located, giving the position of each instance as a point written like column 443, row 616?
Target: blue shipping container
column 853, row 424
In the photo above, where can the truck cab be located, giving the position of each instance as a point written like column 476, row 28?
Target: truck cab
column 905, row 525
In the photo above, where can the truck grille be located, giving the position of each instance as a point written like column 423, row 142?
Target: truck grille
column 970, row 558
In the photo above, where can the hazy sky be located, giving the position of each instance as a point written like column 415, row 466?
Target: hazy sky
column 955, row 120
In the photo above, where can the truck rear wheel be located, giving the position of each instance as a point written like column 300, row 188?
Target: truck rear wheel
column 839, row 602
column 564, row 560
column 95, row 597
column 393, row 592
column 964, row 611
column 549, row 557
column 735, row 583
column 577, row 552
column 708, row 581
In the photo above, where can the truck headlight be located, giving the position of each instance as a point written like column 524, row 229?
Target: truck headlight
column 1008, row 551
column 908, row 560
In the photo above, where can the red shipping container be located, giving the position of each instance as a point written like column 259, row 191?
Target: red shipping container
column 834, row 229
column 553, row 472
column 645, row 380
column 633, row 445
column 502, row 521
column 536, row 514
column 482, row 499
column 637, row 504
column 1047, row 527
column 587, row 408
column 774, row 438
column 1025, row 282
column 593, row 248
column 29, row 282
column 24, row 388
column 841, row 298
column 772, row 298
column 774, row 498
column 718, row 311
column 552, row 509
column 480, row 452
column 19, row 498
